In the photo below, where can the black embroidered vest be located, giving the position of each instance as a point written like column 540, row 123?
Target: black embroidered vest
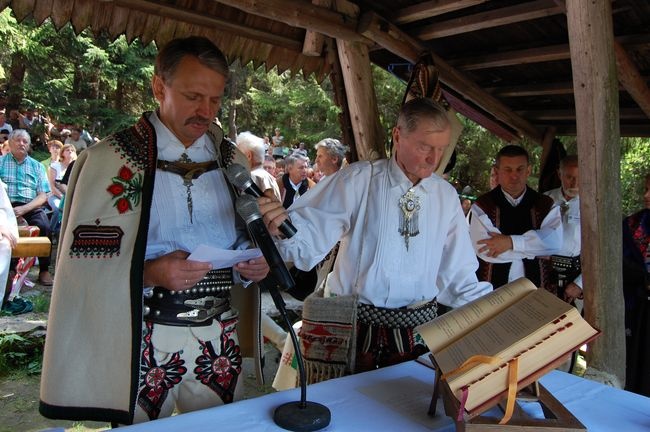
column 510, row 220
column 290, row 192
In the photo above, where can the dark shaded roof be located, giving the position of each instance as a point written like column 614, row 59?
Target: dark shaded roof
column 503, row 63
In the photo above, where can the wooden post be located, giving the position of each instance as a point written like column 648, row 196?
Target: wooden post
column 340, row 99
column 595, row 84
column 369, row 138
column 314, row 41
column 357, row 75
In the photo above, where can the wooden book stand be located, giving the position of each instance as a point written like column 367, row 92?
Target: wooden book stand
column 556, row 416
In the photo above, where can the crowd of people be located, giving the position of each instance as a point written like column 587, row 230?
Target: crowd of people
column 35, row 190
column 169, row 333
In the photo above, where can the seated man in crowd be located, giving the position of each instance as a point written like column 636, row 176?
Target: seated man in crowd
column 76, row 140
column 27, row 188
column 404, row 247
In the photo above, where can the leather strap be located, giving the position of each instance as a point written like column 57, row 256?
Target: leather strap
column 187, row 170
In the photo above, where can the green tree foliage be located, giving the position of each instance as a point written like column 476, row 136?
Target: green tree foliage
column 301, row 107
column 635, row 165
column 83, row 80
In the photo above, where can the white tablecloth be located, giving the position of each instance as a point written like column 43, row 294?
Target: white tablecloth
column 397, row 399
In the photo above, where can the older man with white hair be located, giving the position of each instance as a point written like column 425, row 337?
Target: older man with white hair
column 253, row 147
column 330, row 154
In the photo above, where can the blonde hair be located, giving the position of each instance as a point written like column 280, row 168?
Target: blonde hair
column 55, row 143
column 67, row 146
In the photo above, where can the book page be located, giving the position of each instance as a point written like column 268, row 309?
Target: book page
column 511, row 328
column 449, row 327
column 565, row 336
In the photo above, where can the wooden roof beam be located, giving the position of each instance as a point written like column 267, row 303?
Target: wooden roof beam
column 627, row 130
column 533, row 55
column 314, row 41
column 631, row 79
column 550, row 89
column 546, row 89
column 388, row 35
column 430, row 9
column 182, row 14
column 305, row 15
column 570, row 114
column 494, row 18
column 513, row 58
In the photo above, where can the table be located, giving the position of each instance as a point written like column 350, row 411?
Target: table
column 397, row 399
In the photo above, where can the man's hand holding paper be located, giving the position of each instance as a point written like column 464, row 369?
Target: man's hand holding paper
column 249, row 263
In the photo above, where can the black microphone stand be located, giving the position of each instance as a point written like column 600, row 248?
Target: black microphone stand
column 302, row 416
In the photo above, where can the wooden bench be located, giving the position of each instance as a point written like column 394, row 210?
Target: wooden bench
column 31, row 246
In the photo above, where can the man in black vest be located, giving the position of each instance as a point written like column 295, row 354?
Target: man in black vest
column 512, row 225
column 294, row 183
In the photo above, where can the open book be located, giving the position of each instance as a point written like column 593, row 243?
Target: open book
column 516, row 320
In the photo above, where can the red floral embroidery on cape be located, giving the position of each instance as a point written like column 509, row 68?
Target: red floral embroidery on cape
column 126, row 189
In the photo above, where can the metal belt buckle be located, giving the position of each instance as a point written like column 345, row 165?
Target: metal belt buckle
column 203, row 303
column 197, row 315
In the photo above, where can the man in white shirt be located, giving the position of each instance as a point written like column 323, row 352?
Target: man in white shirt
column 512, row 225
column 76, row 140
column 566, row 262
column 404, row 244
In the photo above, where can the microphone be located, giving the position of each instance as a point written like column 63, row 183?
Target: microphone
column 302, row 415
column 238, row 176
column 249, row 210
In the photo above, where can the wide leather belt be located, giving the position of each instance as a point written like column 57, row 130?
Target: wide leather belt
column 564, row 264
column 397, row 318
column 194, row 307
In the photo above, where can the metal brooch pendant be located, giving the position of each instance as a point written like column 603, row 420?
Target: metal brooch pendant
column 409, row 203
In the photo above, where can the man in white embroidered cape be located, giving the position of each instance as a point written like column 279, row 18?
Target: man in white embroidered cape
column 404, row 239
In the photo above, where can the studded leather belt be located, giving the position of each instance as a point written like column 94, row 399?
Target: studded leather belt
column 194, row 307
column 397, row 318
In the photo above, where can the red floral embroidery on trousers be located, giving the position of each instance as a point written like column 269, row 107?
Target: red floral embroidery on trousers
column 220, row 371
column 156, row 380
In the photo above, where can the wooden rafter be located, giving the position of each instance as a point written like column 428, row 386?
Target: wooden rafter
column 532, row 55
column 304, row 15
column 430, row 9
column 570, row 114
column 631, row 79
column 511, row 58
column 494, row 18
column 558, row 88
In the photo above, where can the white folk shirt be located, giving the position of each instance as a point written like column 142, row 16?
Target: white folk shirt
column 547, row 240
column 213, row 214
column 373, row 261
column 571, row 242
column 264, row 180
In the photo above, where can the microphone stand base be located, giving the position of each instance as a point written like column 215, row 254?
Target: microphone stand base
column 294, row 417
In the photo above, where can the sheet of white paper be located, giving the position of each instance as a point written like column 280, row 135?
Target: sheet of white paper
column 222, row 258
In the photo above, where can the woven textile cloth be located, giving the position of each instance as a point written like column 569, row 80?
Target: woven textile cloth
column 327, row 337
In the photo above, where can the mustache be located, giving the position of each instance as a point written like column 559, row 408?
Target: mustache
column 198, row 119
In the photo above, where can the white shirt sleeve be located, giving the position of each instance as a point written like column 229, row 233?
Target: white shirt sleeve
column 533, row 243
